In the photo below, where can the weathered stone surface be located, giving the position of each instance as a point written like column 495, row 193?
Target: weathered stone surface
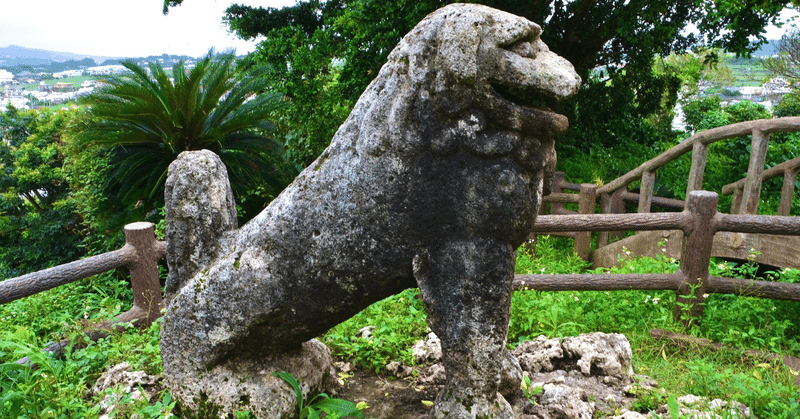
column 428, row 350
column 580, row 376
column 434, row 180
column 537, row 355
column 609, row 353
column 691, row 406
column 135, row 385
column 247, row 383
column 199, row 204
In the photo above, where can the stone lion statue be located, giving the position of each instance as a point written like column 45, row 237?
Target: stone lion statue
column 433, row 181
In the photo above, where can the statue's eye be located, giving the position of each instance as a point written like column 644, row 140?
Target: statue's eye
column 528, row 47
column 523, row 48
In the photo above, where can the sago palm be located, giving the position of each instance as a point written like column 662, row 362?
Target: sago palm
column 147, row 118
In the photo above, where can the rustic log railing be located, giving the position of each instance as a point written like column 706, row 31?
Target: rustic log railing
column 140, row 255
column 747, row 191
column 698, row 222
column 698, row 145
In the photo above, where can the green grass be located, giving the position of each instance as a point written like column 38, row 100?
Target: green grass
column 740, row 323
column 58, row 390
column 76, row 81
column 753, row 74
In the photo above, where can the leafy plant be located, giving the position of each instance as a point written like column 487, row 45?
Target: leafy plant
column 147, row 118
column 397, row 322
column 310, row 409
column 528, row 390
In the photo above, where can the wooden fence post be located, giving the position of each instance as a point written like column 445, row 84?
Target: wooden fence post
column 752, row 185
column 147, row 301
column 617, row 206
column 646, row 191
column 558, row 187
column 586, row 202
column 699, row 158
column 787, row 192
column 695, row 256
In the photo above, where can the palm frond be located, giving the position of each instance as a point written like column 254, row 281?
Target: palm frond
column 147, row 119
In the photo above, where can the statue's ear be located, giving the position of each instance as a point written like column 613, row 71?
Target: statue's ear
column 506, row 29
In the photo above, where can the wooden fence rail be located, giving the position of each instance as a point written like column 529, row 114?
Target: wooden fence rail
column 699, row 222
column 613, row 195
column 140, row 255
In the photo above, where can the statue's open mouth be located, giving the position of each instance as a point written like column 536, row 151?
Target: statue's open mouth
column 525, row 98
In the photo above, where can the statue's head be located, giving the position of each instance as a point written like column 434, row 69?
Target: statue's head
column 475, row 78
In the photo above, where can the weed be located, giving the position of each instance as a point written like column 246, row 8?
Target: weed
column 397, row 322
column 528, row 390
column 333, row 408
column 58, row 388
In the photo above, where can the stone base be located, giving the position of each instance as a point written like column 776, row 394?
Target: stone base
column 247, row 384
column 460, row 405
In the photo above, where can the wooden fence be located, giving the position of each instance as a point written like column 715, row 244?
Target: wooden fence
column 747, row 191
column 698, row 221
column 140, row 255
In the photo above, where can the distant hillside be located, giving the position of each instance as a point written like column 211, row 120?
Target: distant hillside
column 767, row 50
column 14, row 55
column 17, row 59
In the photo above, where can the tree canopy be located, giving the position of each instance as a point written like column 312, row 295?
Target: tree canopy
column 325, row 53
column 39, row 226
column 787, row 63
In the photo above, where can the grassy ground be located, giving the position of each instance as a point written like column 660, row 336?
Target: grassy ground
column 58, row 389
column 750, row 74
column 76, row 81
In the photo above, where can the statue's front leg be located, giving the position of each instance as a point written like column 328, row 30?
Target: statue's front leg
column 466, row 287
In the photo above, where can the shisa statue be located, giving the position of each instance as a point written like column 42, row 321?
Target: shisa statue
column 433, row 181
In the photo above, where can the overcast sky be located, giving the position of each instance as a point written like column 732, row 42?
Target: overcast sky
column 122, row 28
column 128, row 28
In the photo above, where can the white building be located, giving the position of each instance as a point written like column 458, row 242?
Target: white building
column 68, row 73
column 5, row 76
column 106, row 69
column 17, row 102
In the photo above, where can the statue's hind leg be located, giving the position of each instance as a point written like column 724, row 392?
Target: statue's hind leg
column 466, row 287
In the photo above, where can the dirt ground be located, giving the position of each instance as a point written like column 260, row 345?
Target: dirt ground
column 387, row 397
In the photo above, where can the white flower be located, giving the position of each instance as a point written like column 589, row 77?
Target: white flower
column 542, row 270
column 705, row 295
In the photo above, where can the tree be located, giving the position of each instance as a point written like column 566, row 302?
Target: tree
column 324, row 53
column 39, row 227
column 145, row 119
column 692, row 67
column 787, row 63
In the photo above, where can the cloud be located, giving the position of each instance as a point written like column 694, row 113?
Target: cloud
column 122, row 27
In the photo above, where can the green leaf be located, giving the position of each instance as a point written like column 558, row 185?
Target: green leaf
column 338, row 407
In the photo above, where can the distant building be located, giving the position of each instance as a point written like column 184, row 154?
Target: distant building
column 106, row 69
column 67, row 73
column 28, row 78
column 6, row 77
column 63, row 87
column 17, row 102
